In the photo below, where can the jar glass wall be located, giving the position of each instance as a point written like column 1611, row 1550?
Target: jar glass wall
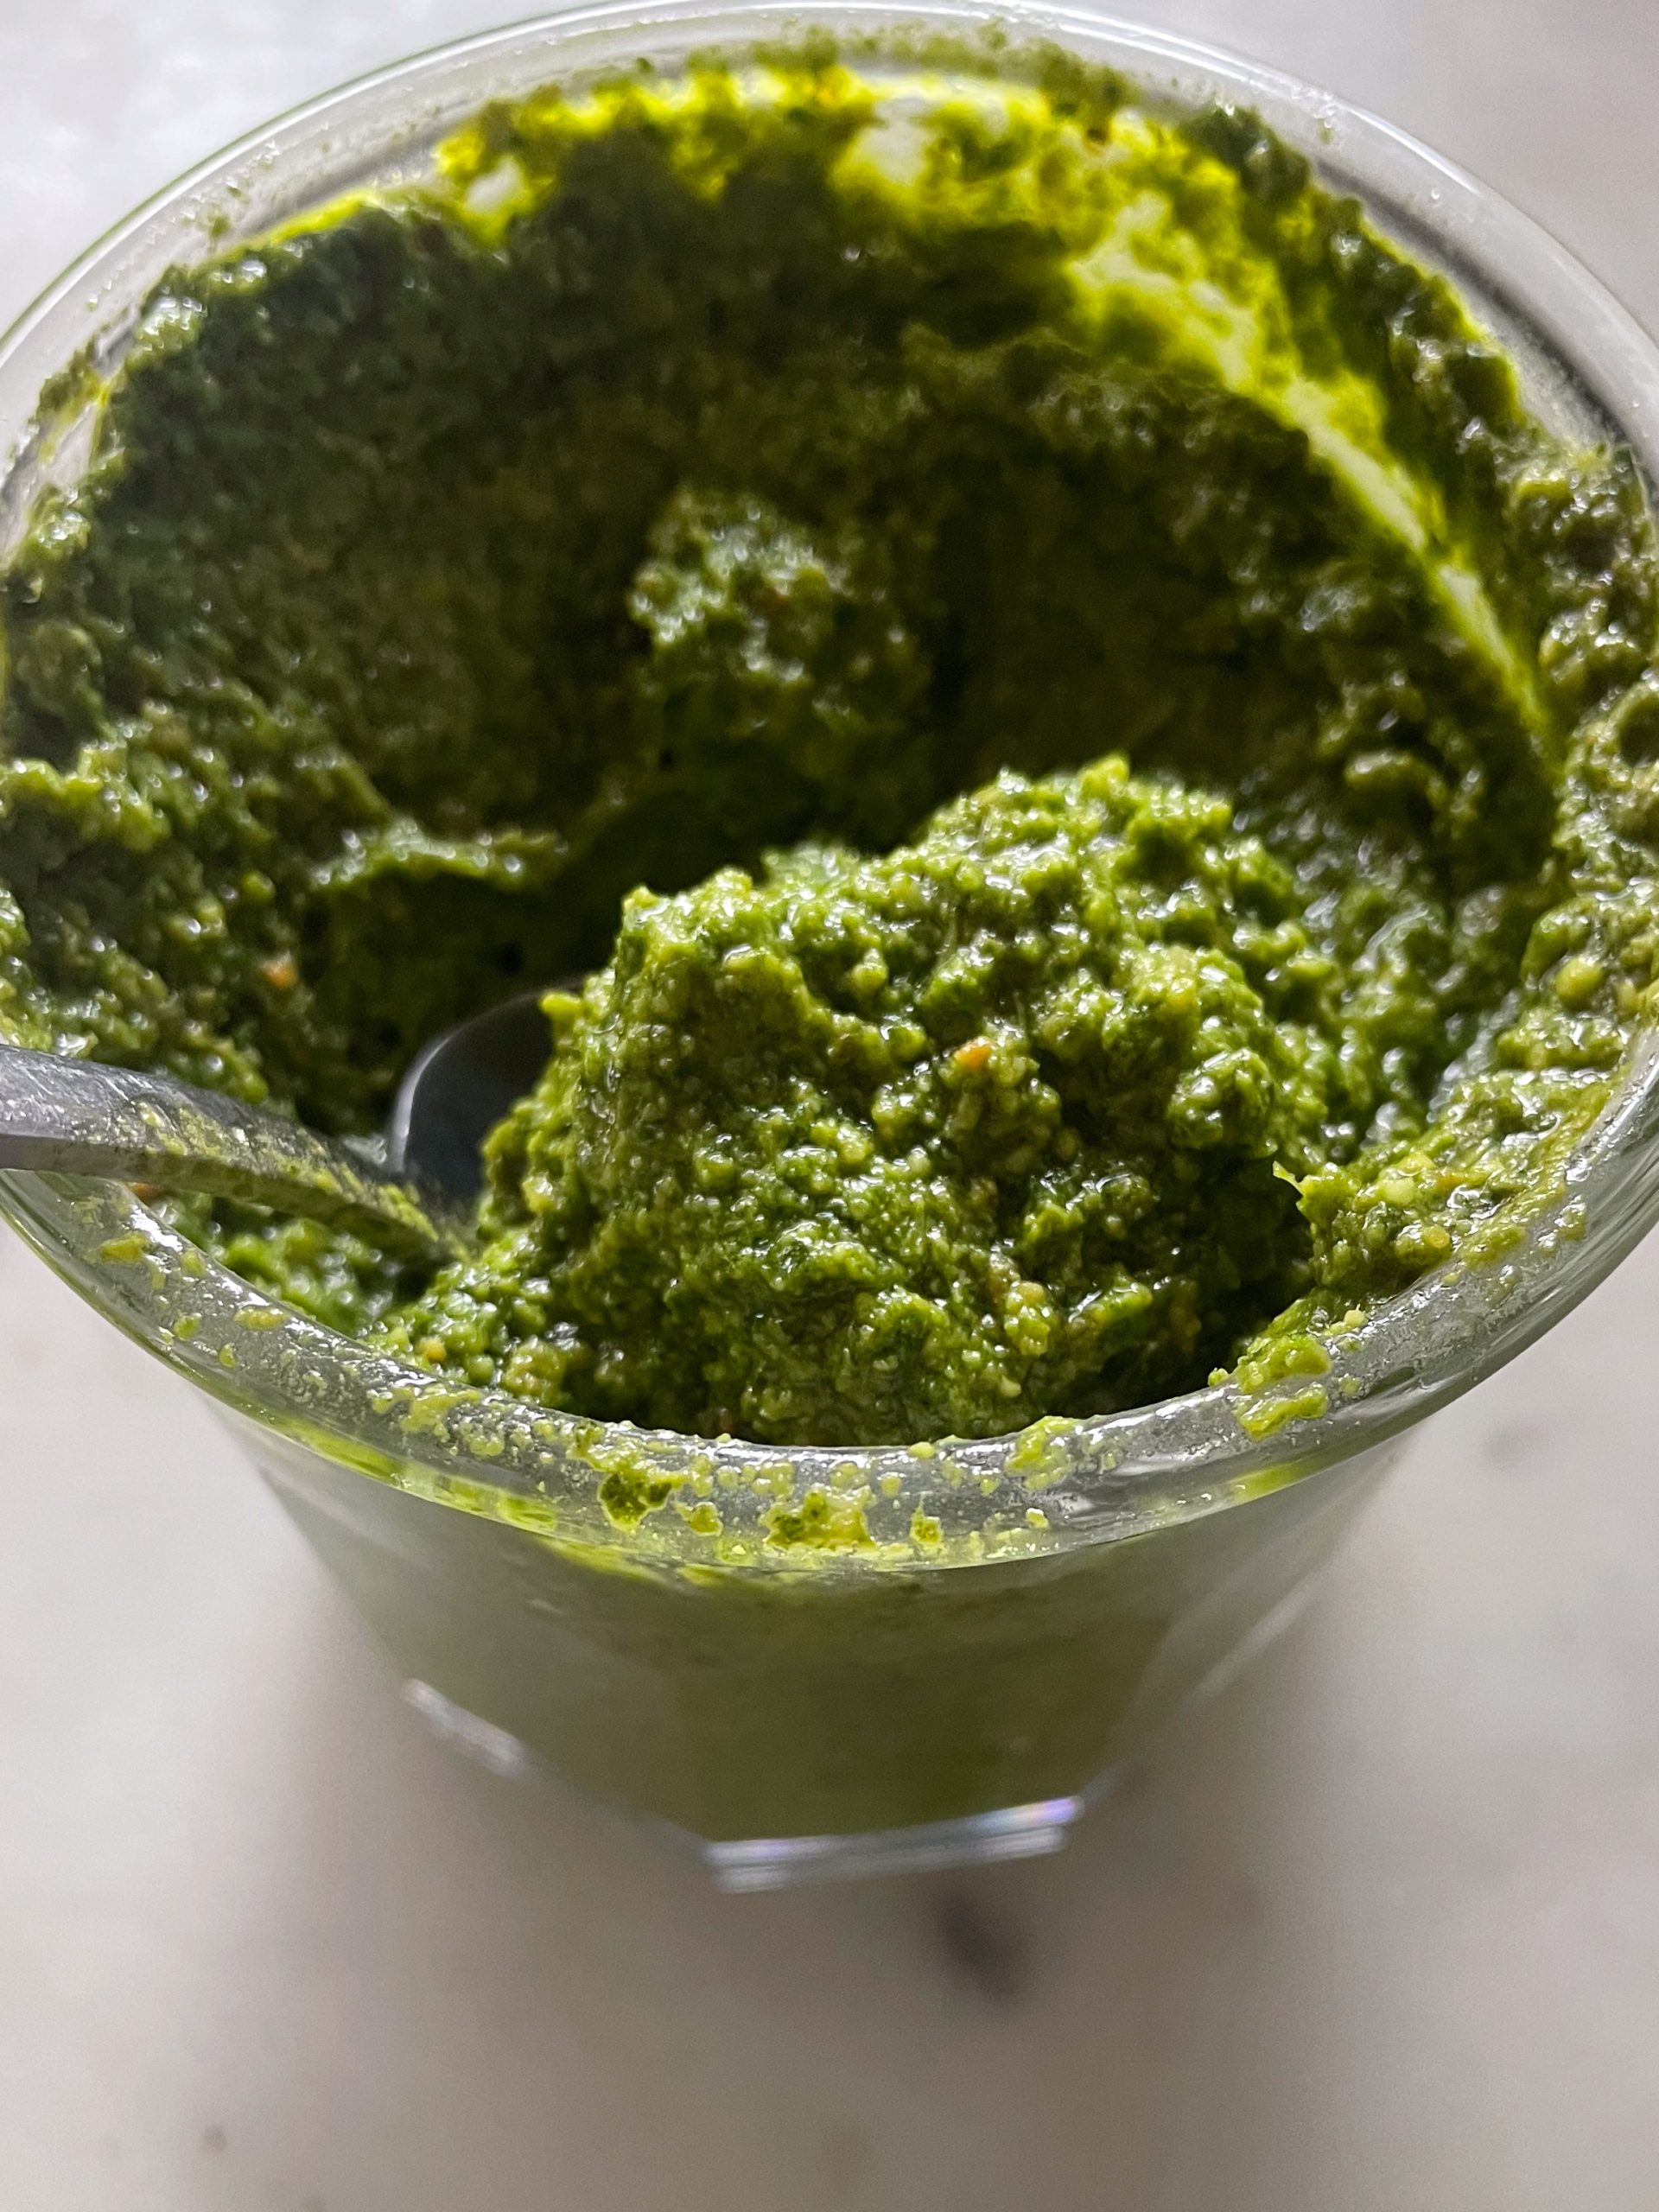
column 620, row 1606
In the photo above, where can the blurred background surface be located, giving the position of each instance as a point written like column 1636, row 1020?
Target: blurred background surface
column 1379, row 1931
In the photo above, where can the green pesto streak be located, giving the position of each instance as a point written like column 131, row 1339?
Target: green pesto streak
column 700, row 469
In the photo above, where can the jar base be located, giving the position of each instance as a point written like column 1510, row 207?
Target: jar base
column 788, row 1861
column 975, row 1840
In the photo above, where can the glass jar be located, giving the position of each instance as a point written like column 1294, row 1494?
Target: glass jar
column 820, row 1660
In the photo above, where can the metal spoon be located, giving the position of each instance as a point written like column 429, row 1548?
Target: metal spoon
column 406, row 1193
column 456, row 1089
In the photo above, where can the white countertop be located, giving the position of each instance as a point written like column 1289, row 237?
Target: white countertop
column 1379, row 1933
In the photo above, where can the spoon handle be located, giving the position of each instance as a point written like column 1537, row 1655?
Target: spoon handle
column 78, row 1117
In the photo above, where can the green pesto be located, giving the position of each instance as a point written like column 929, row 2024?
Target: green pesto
column 702, row 488
column 996, row 1124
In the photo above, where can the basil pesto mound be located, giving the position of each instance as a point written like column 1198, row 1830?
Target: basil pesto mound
column 702, row 539
column 995, row 1122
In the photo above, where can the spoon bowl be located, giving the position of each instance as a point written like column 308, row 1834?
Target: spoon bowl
column 458, row 1087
